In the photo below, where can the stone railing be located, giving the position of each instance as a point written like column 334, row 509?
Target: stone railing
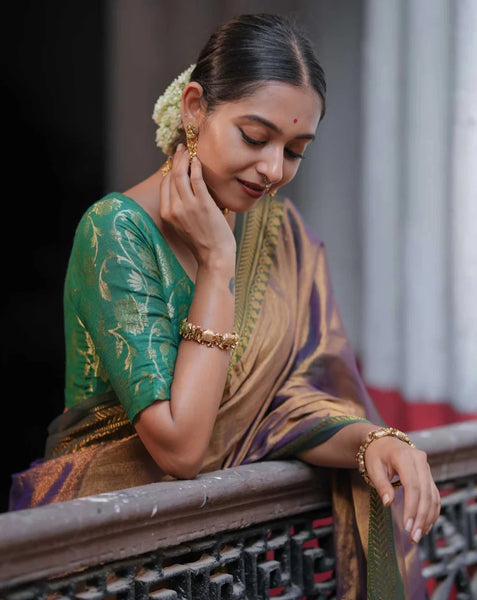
column 253, row 531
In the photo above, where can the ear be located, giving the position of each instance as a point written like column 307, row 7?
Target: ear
column 192, row 104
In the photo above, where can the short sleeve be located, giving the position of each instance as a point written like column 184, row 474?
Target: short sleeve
column 125, row 294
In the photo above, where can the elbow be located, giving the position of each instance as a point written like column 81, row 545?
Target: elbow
column 184, row 469
column 179, row 464
column 184, row 472
column 180, row 456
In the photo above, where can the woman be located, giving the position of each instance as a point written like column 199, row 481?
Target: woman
column 201, row 329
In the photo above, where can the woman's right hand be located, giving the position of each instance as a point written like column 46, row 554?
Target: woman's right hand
column 177, row 432
column 187, row 206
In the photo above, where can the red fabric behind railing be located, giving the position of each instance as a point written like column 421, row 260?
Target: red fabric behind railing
column 413, row 415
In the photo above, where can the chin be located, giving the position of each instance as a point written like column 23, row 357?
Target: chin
column 245, row 207
column 237, row 205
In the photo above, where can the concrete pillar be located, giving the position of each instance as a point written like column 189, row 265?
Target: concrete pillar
column 464, row 209
column 381, row 192
column 327, row 187
column 424, row 204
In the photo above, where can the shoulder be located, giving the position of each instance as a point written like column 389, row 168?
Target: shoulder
column 114, row 212
column 110, row 206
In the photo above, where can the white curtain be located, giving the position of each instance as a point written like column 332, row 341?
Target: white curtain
column 419, row 199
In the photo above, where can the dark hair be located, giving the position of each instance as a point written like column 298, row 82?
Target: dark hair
column 249, row 50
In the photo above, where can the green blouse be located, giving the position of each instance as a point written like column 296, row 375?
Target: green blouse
column 124, row 297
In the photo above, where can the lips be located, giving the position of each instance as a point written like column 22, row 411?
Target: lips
column 254, row 190
column 252, row 186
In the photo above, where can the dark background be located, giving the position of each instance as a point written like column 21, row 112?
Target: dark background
column 53, row 139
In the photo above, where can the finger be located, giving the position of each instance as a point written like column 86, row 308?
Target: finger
column 164, row 195
column 421, row 522
column 436, row 510
column 179, row 181
column 418, row 495
column 378, row 474
column 179, row 153
column 438, row 503
column 178, row 161
column 411, row 502
column 434, row 506
column 182, row 177
column 197, row 181
column 168, row 187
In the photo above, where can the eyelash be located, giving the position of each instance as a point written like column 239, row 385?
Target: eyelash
column 249, row 140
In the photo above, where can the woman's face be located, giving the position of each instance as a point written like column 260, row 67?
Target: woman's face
column 260, row 137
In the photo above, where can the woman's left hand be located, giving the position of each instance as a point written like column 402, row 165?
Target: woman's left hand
column 386, row 459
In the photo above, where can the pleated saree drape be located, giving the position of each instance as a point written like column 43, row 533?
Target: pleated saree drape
column 292, row 383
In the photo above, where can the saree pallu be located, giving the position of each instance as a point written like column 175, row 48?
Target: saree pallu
column 292, row 383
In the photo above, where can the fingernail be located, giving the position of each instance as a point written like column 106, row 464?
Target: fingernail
column 409, row 525
column 386, row 499
column 417, row 535
column 428, row 531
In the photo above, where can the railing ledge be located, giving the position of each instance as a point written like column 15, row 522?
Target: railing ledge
column 67, row 536
column 451, row 449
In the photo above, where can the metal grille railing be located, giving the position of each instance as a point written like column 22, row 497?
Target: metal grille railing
column 290, row 559
column 253, row 532
column 449, row 552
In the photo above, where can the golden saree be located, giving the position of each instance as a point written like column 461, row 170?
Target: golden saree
column 292, row 381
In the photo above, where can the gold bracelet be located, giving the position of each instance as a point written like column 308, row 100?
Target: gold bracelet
column 224, row 341
column 376, row 435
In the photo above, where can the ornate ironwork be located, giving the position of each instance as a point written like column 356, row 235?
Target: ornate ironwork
column 250, row 532
column 449, row 552
column 290, row 559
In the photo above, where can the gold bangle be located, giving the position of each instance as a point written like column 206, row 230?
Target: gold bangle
column 224, row 341
column 376, row 435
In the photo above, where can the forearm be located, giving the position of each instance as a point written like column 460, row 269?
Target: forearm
column 339, row 450
column 386, row 459
column 177, row 432
column 200, row 372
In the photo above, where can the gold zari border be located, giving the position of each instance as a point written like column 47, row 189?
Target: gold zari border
column 254, row 260
column 100, row 425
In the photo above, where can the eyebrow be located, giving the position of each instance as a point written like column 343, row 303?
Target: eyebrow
column 273, row 127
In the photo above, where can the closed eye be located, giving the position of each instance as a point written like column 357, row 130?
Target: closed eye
column 292, row 154
column 250, row 140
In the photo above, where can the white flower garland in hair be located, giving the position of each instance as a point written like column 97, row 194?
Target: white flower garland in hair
column 167, row 113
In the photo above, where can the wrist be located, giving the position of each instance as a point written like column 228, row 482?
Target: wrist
column 360, row 431
column 378, row 434
column 218, row 264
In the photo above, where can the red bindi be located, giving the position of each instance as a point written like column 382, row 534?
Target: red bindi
column 295, row 120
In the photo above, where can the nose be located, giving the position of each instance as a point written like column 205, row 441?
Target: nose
column 271, row 166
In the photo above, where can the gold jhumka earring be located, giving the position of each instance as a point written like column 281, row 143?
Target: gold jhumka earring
column 192, row 139
column 167, row 166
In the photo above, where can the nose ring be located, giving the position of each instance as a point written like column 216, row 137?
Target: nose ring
column 268, row 183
